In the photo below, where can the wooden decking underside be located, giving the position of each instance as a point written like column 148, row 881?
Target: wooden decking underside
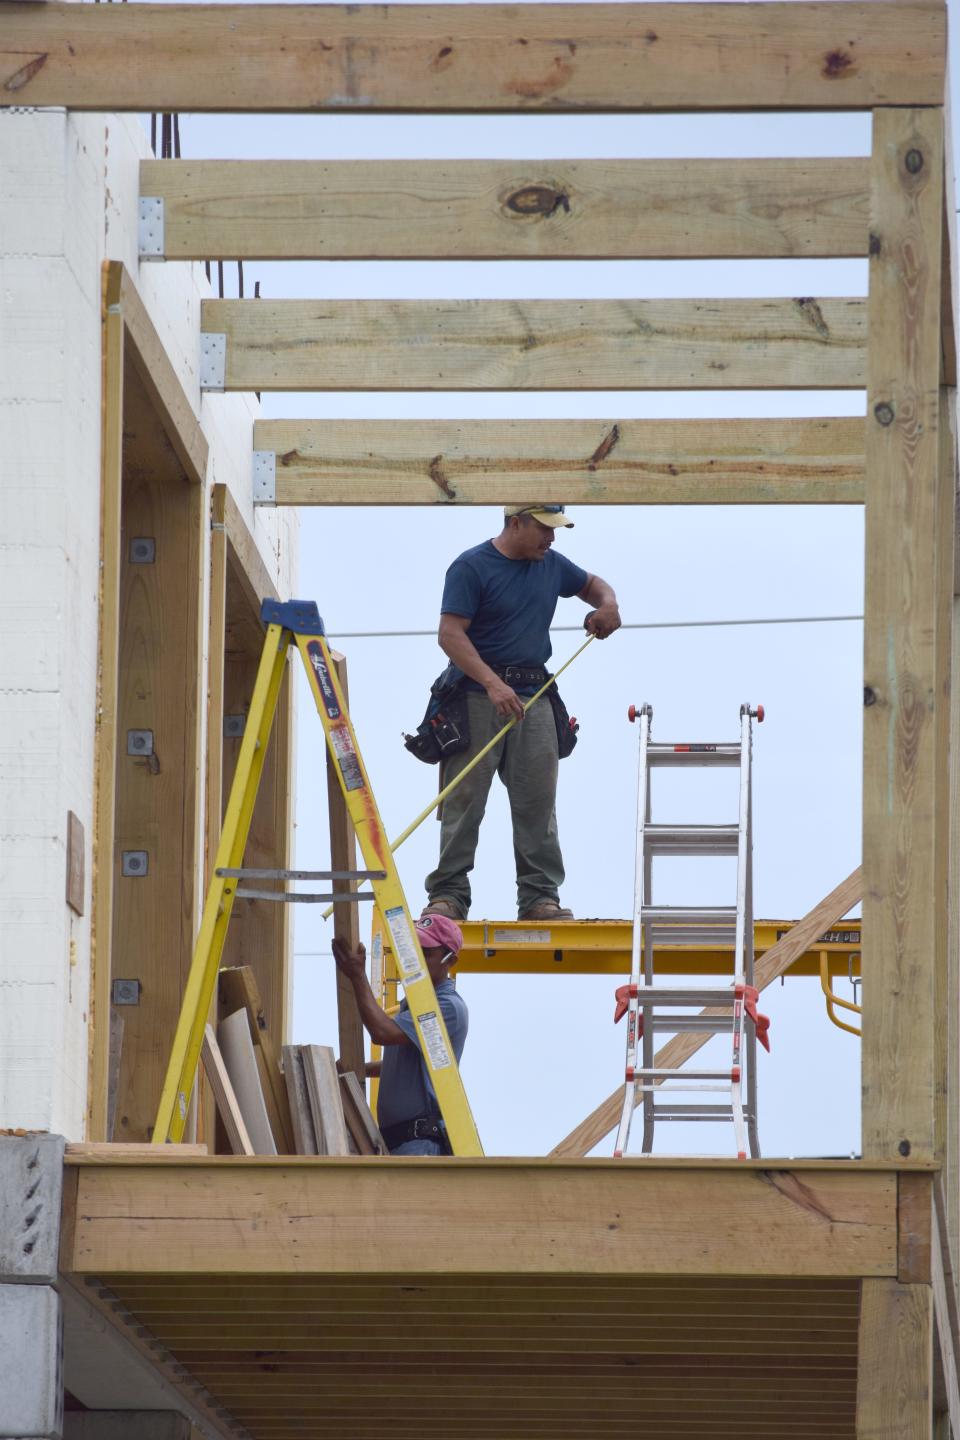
column 572, row 1356
column 499, row 1298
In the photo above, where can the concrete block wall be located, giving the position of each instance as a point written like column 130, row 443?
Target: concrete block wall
column 68, row 200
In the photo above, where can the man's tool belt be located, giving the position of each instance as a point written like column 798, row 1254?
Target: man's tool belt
column 445, row 727
column 424, row 1127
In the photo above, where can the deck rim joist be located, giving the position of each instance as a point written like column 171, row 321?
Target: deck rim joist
column 310, row 1215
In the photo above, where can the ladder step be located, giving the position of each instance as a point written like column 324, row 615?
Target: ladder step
column 723, row 753
column 692, row 1111
column 690, row 914
column 657, row 1072
column 684, row 995
column 701, row 1024
column 691, row 839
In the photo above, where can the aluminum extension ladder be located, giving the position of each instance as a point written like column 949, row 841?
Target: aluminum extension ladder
column 296, row 625
column 652, row 1009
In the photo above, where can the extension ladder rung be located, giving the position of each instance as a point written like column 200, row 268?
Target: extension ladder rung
column 726, row 753
column 689, row 915
column 691, row 839
column 691, row 1110
column 684, row 995
column 658, row 1072
column 680, row 1024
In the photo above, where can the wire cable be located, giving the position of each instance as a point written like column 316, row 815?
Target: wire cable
column 627, row 625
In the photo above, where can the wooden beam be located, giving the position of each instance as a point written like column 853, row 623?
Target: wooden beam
column 346, row 921
column 540, row 344
column 769, row 967
column 586, row 462
column 895, row 1369
column 162, row 384
column 299, row 1096
column 593, row 57
column 634, row 1217
column 915, row 1221
column 105, row 746
column 509, row 209
column 902, row 725
column 255, row 579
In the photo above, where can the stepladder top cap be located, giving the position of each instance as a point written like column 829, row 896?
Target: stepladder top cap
column 300, row 616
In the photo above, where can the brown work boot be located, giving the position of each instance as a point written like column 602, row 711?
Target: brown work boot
column 547, row 910
column 441, row 906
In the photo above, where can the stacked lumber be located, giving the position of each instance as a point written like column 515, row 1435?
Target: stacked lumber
column 291, row 1102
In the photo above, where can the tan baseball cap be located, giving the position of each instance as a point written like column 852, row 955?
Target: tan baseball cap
column 552, row 515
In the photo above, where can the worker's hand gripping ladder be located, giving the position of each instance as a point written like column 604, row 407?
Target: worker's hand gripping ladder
column 652, row 1009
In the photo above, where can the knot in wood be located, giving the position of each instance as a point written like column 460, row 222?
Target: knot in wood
column 884, row 413
column 537, row 200
column 913, row 161
column 869, row 695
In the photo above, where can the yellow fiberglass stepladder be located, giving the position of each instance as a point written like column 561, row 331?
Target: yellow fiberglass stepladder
column 297, row 622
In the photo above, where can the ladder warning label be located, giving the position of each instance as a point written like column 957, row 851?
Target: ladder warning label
column 404, row 944
column 346, row 757
column 437, row 1052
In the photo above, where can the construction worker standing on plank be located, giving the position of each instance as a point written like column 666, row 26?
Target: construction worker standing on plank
column 407, row 1110
column 498, row 604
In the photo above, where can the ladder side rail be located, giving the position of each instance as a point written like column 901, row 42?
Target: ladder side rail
column 435, row 1047
column 751, row 1034
column 202, row 978
column 649, row 1020
column 738, row 1058
column 639, row 872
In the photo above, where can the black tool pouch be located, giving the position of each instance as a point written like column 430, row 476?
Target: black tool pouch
column 445, row 728
column 567, row 726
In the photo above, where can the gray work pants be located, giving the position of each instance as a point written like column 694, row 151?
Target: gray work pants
column 526, row 761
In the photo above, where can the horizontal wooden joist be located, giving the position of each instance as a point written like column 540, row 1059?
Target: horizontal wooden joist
column 588, row 57
column 523, row 1217
column 592, row 462
column 506, row 210
column 539, row 344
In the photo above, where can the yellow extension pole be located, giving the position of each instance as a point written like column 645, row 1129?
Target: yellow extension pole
column 448, row 789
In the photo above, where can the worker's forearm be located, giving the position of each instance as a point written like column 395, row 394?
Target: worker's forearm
column 459, row 648
column 598, row 593
column 376, row 1022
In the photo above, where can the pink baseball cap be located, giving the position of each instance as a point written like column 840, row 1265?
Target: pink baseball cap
column 435, row 931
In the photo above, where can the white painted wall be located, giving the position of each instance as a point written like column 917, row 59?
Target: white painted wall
column 68, row 200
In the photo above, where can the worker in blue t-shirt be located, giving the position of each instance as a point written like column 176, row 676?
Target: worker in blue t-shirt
column 498, row 603
column 407, row 1109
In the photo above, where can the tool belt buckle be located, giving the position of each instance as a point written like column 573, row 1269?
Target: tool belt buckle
column 430, row 1130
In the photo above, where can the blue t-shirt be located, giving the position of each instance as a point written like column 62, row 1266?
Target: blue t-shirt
column 405, row 1088
column 510, row 603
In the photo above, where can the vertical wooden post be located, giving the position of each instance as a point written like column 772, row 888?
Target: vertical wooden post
column 895, row 1361
column 111, row 479
column 901, row 1112
column 346, row 921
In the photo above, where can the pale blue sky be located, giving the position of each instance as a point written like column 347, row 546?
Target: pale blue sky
column 543, row 1052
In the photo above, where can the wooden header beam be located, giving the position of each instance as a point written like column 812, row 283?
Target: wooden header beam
column 476, row 58
column 540, row 344
column 221, row 1216
column 508, row 210
column 584, row 462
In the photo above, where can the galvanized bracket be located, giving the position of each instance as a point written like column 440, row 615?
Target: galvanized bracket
column 213, row 362
column 264, row 477
column 151, row 236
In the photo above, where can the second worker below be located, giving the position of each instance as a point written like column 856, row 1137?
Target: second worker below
column 498, row 604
